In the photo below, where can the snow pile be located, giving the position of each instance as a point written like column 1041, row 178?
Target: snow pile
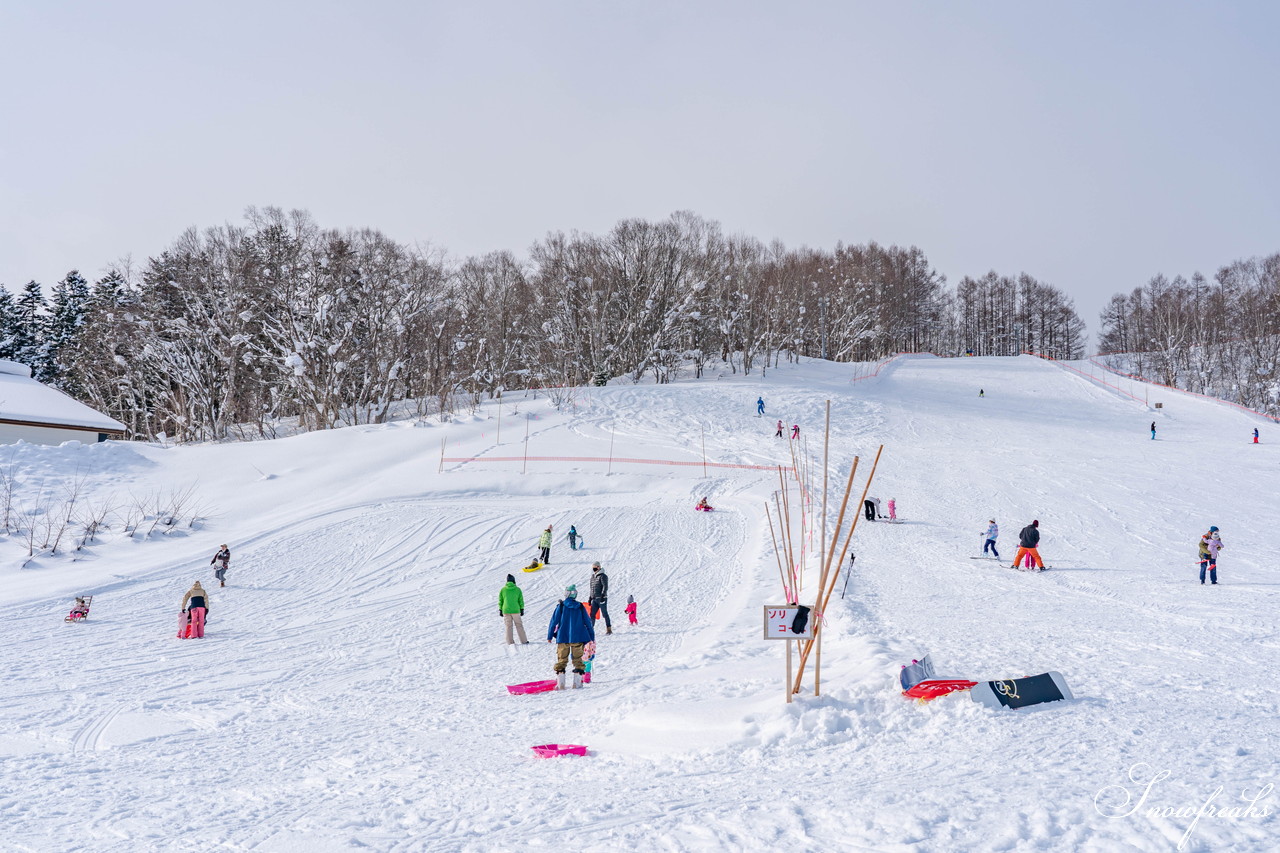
column 350, row 692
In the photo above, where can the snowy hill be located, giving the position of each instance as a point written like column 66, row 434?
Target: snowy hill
column 350, row 691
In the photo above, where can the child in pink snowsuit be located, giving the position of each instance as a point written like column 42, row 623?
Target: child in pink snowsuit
column 795, row 431
column 630, row 609
column 893, row 510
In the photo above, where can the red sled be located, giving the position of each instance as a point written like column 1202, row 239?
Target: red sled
column 531, row 687
column 704, row 508
column 933, row 688
column 184, row 626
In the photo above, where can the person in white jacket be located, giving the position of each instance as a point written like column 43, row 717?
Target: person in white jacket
column 992, row 532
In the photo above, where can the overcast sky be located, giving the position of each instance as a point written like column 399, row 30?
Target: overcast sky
column 1090, row 144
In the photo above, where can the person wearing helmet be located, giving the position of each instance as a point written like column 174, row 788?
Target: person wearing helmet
column 570, row 630
column 1210, row 545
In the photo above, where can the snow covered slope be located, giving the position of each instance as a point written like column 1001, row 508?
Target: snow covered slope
column 350, row 691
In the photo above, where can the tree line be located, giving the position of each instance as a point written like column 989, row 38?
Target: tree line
column 238, row 330
column 1219, row 337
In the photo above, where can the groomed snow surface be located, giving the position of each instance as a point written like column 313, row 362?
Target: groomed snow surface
column 350, row 692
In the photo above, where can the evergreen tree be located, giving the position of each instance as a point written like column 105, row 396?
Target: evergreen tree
column 8, row 325
column 28, row 329
column 69, row 306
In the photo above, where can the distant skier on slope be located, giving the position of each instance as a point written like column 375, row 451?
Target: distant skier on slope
column 1153, row 430
column 544, row 546
column 573, row 538
column 1255, row 435
column 760, row 408
column 779, row 434
column 1210, row 545
column 570, row 630
column 1028, row 539
column 795, row 431
column 893, row 510
column 993, row 531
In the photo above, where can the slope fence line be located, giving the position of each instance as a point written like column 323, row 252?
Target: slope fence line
column 615, row 459
column 1132, row 378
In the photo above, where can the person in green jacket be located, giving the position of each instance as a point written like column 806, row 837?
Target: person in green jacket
column 511, row 607
column 544, row 546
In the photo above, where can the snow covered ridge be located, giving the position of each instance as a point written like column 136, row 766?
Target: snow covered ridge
column 350, row 690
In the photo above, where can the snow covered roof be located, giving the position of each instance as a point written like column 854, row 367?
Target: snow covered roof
column 24, row 400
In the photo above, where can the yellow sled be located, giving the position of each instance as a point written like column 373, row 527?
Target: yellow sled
column 534, row 566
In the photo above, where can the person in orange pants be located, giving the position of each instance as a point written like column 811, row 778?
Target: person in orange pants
column 1028, row 539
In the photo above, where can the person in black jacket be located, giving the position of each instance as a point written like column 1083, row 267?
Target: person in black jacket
column 223, row 560
column 599, row 598
column 1028, row 539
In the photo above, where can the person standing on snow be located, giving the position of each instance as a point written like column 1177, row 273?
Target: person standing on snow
column 631, row 609
column 992, row 532
column 1153, row 430
column 570, row 630
column 1028, row 539
column 981, row 393
column 1210, row 545
column 795, row 431
column 573, row 538
column 778, row 434
column 599, row 596
column 760, row 408
column 223, row 557
column 1255, row 435
column 196, row 605
column 511, row 608
column 893, row 510
column 544, row 546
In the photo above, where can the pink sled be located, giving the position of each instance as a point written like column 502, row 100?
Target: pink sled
column 531, row 687
column 551, row 750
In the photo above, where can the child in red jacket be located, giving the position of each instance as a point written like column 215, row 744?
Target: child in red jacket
column 630, row 609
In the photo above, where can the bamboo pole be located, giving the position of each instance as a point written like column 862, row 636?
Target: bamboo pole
column 613, row 431
column 782, row 524
column 822, row 542
column 786, row 506
column 704, row 451
column 499, row 441
column 440, row 470
column 782, row 574
column 825, row 589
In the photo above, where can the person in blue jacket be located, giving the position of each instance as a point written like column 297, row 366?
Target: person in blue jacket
column 760, row 408
column 570, row 630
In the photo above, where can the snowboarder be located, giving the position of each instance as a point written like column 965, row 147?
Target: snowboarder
column 992, row 532
column 893, row 510
column 544, row 546
column 511, row 608
column 760, row 408
column 195, row 605
column 1028, row 539
column 1210, row 545
column 223, row 559
column 795, row 430
column 778, row 434
column 573, row 538
column 1255, row 435
column 599, row 598
column 1153, row 430
column 631, row 609
column 570, row 630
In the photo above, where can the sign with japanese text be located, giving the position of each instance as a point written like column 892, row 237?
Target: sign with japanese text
column 778, row 620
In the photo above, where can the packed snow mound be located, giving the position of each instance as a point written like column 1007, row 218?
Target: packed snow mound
column 350, row 690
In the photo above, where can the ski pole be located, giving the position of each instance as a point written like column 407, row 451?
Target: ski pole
column 846, row 578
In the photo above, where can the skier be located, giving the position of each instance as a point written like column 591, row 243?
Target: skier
column 1153, row 430
column 981, row 393
column 795, row 431
column 223, row 558
column 573, row 538
column 893, row 510
column 544, row 546
column 570, row 630
column 1028, row 539
column 631, row 609
column 1255, row 435
column 511, row 609
column 760, row 408
column 1210, row 545
column 599, row 597
column 992, row 532
column 778, row 434
column 195, row 604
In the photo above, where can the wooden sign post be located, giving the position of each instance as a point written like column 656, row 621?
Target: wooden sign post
column 778, row 620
